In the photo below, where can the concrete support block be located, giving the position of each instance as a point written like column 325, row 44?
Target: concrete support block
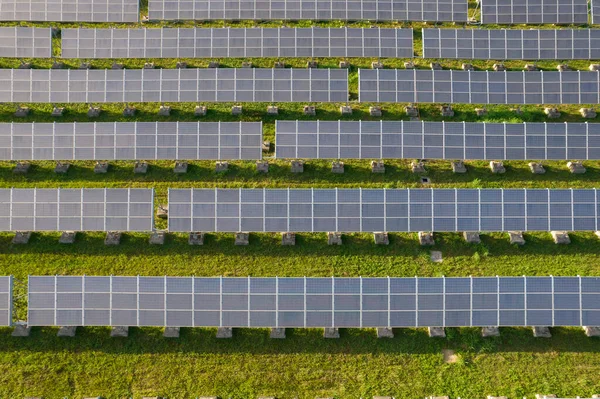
column 272, row 110
column 516, row 237
column 437, row 332
column 496, row 397
column 576, row 168
column 411, row 111
column 472, row 237
column 266, row 146
column 21, row 237
column 346, row 110
column 196, row 238
column 21, row 329
column 409, row 65
column 490, row 332
column 334, row 238
column 592, row 331
column 278, row 65
column 200, row 110
column 563, row 68
column 312, row 64
column 180, row 167
column 447, row 111
column 262, row 166
column 337, row 167
column 112, row 238
column 181, row 65
column 436, row 66
column 242, row 238
column 467, row 67
column 530, row 68
column 560, row 237
column 344, row 64
column 331, row 333
column 57, row 112
column 157, row 237
column 459, row 167
column 310, row 110
column 536, row 168
column 57, row 65
column 61, row 168
column 67, row 237
column 377, row 167
column 288, row 238
column 149, row 65
column 541, row 332
column 594, row 67
column 140, row 168
column 94, row 112
column 213, row 64
column 552, row 113
column 21, row 168
column 164, row 110
column 277, row 333
column 544, row 396
column 381, row 238
column 426, row 238
column 221, row 166
column 129, row 111
column 116, row 66
column 119, row 332
column 297, row 166
column 224, row 332
column 246, row 64
column 22, row 112
column 24, row 65
column 587, row 113
column 236, row 110
column 436, row 256
column 497, row 167
column 385, row 333
column 417, row 167
column 481, row 111
column 171, row 332
column 499, row 67
column 67, row 331
column 101, row 167
column 376, row 65
column 375, row 111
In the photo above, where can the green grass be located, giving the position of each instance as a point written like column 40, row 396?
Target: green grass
column 304, row 365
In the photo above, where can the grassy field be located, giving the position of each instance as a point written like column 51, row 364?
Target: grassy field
column 304, row 365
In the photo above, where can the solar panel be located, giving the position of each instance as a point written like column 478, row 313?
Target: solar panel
column 237, row 43
column 70, row 10
column 595, row 11
column 313, row 302
column 436, row 140
column 22, row 42
column 173, row 85
column 505, row 44
column 131, row 141
column 394, row 10
column 87, row 209
column 478, row 87
column 6, row 299
column 534, row 12
column 387, row 210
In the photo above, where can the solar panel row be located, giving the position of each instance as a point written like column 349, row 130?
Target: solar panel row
column 173, row 85
column 237, row 43
column 22, row 42
column 534, row 12
column 88, row 209
column 382, row 210
column 70, row 10
column 436, row 140
column 595, row 5
column 505, row 44
column 131, row 141
column 6, row 297
column 353, row 10
column 313, row 302
column 481, row 87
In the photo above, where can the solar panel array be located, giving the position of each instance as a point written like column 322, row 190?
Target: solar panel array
column 513, row 44
column 436, row 140
column 6, row 301
column 237, row 43
column 479, row 87
column 349, row 10
column 534, row 12
column 173, row 85
column 22, row 42
column 313, row 302
column 131, row 141
column 387, row 210
column 70, row 10
column 88, row 209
